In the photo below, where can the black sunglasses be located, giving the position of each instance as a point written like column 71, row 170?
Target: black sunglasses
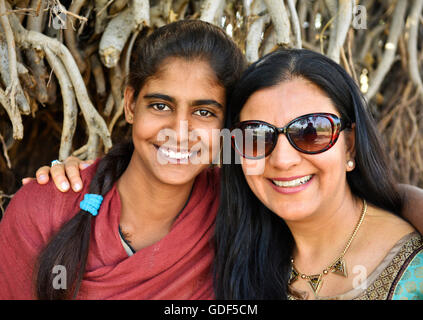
column 311, row 134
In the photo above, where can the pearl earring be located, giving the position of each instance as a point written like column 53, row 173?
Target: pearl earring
column 350, row 164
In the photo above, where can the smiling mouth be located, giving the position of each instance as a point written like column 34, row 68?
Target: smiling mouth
column 292, row 183
column 175, row 155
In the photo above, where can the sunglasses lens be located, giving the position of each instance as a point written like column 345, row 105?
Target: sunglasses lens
column 311, row 134
column 254, row 140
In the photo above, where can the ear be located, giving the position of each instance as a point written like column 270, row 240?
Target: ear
column 350, row 147
column 129, row 104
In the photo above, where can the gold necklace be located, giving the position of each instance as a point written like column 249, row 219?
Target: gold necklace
column 338, row 266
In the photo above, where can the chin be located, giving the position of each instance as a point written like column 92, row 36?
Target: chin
column 291, row 210
column 178, row 174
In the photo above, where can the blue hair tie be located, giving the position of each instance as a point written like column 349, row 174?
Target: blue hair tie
column 91, row 203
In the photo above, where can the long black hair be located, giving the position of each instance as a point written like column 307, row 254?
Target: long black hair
column 187, row 39
column 253, row 245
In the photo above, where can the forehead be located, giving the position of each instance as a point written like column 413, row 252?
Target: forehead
column 286, row 101
column 183, row 78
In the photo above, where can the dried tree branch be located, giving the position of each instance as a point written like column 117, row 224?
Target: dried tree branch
column 413, row 63
column 35, row 58
column 70, row 109
column 6, row 156
column 14, row 116
column 14, row 86
column 70, row 35
column 101, row 15
column 280, row 21
column 295, row 24
column 212, row 10
column 21, row 101
column 340, row 27
column 95, row 123
column 260, row 19
column 119, row 29
column 388, row 57
column 97, row 71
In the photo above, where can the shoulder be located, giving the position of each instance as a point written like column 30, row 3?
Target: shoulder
column 384, row 222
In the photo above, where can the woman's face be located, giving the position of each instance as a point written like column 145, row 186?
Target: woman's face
column 174, row 118
column 325, row 173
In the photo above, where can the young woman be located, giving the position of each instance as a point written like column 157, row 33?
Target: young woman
column 150, row 238
column 320, row 221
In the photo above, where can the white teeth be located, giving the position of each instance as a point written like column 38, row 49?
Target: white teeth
column 292, row 183
column 176, row 155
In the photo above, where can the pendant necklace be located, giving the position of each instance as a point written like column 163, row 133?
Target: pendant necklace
column 338, row 266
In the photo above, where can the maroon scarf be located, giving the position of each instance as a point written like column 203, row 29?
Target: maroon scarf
column 176, row 267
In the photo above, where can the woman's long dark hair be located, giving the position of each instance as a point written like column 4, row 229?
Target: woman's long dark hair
column 253, row 245
column 188, row 39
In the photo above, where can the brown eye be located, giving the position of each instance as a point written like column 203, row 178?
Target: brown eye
column 203, row 113
column 160, row 107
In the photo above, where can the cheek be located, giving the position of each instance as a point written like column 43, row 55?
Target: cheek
column 254, row 168
column 331, row 170
column 253, row 172
column 144, row 130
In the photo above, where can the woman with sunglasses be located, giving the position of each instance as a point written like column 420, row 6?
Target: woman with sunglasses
column 312, row 210
column 141, row 228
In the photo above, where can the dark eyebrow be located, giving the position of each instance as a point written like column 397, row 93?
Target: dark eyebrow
column 201, row 102
column 206, row 102
column 159, row 96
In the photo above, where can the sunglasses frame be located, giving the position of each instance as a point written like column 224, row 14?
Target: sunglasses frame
column 338, row 124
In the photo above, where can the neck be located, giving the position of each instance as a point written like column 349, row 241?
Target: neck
column 322, row 237
column 146, row 200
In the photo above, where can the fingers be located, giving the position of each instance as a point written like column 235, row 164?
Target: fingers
column 72, row 168
column 64, row 175
column 42, row 175
column 59, row 178
column 27, row 180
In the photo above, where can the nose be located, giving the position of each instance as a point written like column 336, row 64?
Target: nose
column 181, row 126
column 284, row 156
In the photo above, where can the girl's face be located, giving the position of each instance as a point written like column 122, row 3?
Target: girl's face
column 324, row 174
column 174, row 118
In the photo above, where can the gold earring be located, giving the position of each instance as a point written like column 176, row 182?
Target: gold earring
column 130, row 118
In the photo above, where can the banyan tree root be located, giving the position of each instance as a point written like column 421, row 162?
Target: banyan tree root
column 295, row 23
column 279, row 15
column 212, row 10
column 120, row 28
column 70, row 35
column 260, row 18
column 95, row 123
column 385, row 64
column 342, row 12
column 70, row 109
column 413, row 64
column 19, row 100
column 14, row 89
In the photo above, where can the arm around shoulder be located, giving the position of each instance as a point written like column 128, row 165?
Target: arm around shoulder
column 413, row 205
